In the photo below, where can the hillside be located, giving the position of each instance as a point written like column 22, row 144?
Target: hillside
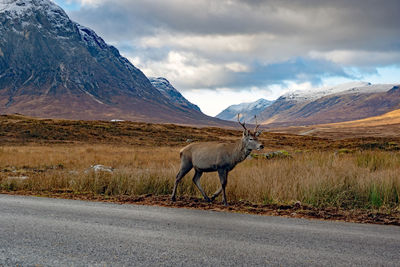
column 173, row 95
column 390, row 118
column 386, row 125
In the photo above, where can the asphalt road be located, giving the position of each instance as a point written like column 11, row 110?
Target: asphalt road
column 42, row 231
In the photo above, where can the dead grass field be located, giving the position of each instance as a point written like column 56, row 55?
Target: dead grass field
column 321, row 174
column 383, row 126
column 368, row 179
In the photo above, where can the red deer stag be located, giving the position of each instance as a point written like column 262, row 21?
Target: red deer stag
column 219, row 157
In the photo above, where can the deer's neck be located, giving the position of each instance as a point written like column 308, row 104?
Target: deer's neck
column 240, row 152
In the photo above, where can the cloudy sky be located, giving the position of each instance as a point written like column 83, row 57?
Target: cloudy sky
column 219, row 53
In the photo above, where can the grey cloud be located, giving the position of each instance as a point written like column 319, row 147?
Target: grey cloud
column 296, row 30
column 321, row 24
column 298, row 70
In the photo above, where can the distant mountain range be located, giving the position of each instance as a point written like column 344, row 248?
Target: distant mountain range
column 351, row 101
column 53, row 67
column 344, row 102
column 247, row 110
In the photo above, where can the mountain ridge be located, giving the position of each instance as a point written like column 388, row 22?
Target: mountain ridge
column 170, row 92
column 247, row 109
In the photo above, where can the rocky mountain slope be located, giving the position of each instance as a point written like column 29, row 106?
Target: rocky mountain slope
column 247, row 110
column 173, row 95
column 51, row 66
column 341, row 103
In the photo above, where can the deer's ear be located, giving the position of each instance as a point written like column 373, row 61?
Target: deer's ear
column 246, row 133
column 258, row 133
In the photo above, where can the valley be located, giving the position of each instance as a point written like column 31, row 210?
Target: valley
column 354, row 179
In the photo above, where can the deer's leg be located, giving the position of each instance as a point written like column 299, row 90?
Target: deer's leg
column 216, row 193
column 185, row 168
column 223, row 177
column 196, row 181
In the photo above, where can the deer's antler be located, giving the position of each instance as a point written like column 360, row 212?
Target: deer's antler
column 257, row 125
column 243, row 124
column 256, row 131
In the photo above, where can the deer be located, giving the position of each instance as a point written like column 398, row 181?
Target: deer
column 216, row 157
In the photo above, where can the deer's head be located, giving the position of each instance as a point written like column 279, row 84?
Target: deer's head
column 250, row 139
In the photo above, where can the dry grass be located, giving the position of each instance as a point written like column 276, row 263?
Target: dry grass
column 361, row 179
column 386, row 125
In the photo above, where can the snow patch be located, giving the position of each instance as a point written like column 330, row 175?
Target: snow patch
column 247, row 109
column 260, row 103
column 346, row 88
column 22, row 11
column 166, row 89
column 90, row 37
column 23, row 7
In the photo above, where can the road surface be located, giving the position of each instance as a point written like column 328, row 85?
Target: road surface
column 43, row 231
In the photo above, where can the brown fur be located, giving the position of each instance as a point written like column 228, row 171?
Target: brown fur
column 214, row 156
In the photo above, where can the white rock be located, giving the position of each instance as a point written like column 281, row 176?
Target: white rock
column 100, row 168
column 17, row 177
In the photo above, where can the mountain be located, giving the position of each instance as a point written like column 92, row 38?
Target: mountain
column 53, row 67
column 173, row 95
column 316, row 93
column 247, row 110
column 346, row 102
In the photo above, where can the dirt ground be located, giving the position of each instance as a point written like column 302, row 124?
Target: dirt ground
column 18, row 129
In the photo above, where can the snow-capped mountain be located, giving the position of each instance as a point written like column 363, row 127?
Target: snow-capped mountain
column 247, row 110
column 166, row 88
column 345, row 102
column 23, row 8
column 345, row 88
column 51, row 66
